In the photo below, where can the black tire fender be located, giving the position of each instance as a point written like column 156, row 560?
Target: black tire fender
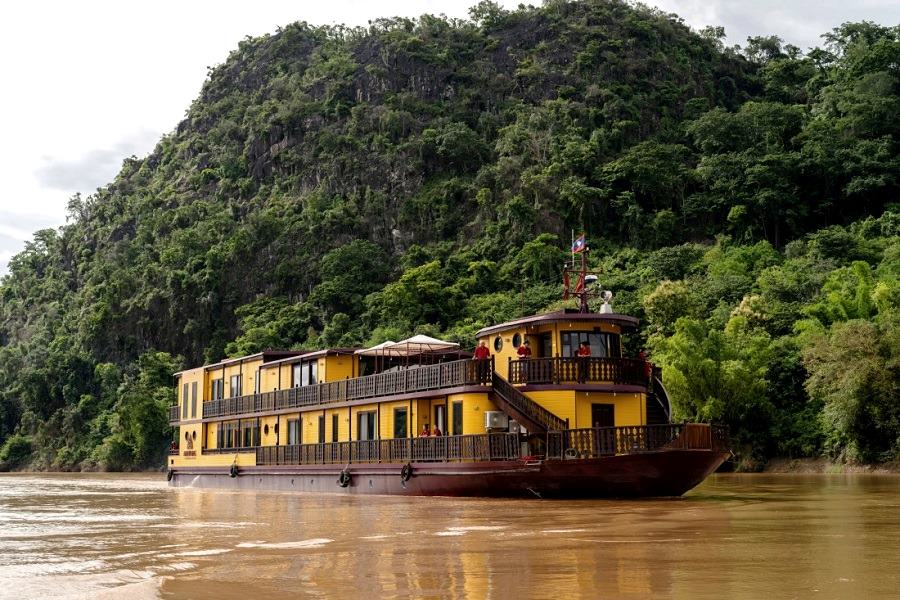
column 344, row 478
column 406, row 472
column 234, row 470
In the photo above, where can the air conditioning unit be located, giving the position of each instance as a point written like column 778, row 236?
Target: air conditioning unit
column 495, row 419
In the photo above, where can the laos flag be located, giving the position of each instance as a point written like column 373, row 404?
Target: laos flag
column 579, row 245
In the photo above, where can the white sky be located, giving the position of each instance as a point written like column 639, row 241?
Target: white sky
column 88, row 83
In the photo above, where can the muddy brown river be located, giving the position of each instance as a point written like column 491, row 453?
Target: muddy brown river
column 736, row 536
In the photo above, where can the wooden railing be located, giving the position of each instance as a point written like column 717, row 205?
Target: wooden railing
column 589, row 369
column 536, row 417
column 609, row 441
column 493, row 446
column 421, row 379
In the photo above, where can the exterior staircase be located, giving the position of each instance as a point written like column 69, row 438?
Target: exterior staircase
column 531, row 415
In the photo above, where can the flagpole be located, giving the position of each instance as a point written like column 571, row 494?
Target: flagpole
column 572, row 247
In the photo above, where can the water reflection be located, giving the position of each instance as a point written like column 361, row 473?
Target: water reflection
column 736, row 536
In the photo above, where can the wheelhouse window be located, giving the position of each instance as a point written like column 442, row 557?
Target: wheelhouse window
column 235, row 385
column 602, row 344
column 366, row 425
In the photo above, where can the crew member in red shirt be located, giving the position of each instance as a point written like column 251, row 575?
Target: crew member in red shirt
column 584, row 356
column 524, row 350
column 482, row 358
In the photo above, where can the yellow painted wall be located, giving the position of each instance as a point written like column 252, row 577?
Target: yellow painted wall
column 343, row 424
column 244, row 459
column 387, row 419
column 560, row 402
column 270, row 439
column 190, row 377
column 474, row 406
column 336, row 367
column 630, row 408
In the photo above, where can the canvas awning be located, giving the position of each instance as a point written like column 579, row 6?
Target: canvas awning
column 417, row 344
column 376, row 350
column 420, row 344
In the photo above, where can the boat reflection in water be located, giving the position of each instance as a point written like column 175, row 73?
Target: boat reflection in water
column 734, row 536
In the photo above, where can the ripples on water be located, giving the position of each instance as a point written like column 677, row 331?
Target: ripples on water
column 751, row 536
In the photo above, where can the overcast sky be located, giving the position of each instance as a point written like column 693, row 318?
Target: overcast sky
column 88, row 83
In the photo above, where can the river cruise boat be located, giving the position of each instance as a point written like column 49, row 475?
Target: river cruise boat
column 569, row 417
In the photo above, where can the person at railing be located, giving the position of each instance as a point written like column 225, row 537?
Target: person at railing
column 482, row 357
column 584, row 357
column 524, row 350
column 436, row 431
column 648, row 366
column 426, row 431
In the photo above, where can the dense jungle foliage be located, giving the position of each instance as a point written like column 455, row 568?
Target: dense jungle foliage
column 337, row 186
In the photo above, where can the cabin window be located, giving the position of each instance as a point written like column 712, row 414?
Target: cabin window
column 218, row 389
column 184, row 401
column 228, row 435
column 194, row 400
column 457, row 408
column 321, row 429
column 498, row 343
column 249, row 433
column 293, row 432
column 256, row 382
column 334, row 428
column 517, row 340
column 401, row 423
column 366, row 425
column 306, row 373
column 235, row 384
column 602, row 344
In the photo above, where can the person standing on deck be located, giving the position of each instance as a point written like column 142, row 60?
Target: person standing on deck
column 584, row 357
column 426, row 431
column 524, row 353
column 482, row 359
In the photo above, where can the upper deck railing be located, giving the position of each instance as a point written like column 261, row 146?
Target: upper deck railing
column 432, row 377
column 589, row 369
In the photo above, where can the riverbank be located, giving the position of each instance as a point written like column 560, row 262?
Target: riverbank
column 823, row 465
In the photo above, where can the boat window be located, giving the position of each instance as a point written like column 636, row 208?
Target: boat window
column 321, row 429
column 334, row 428
column 366, row 428
column 218, row 389
column 308, row 373
column 235, row 385
column 293, row 432
column 498, row 343
column 457, row 418
column 194, row 399
column 184, row 401
column 400, row 423
column 602, row 344
column 517, row 340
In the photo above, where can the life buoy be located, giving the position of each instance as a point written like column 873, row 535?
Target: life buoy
column 234, row 470
column 170, row 474
column 344, row 478
column 570, row 453
column 406, row 472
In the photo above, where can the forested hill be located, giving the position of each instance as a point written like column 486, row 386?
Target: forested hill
column 336, row 186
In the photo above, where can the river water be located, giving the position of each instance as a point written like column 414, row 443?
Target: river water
column 735, row 536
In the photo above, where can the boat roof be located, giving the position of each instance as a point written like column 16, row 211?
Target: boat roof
column 266, row 356
column 306, row 355
column 562, row 315
column 417, row 344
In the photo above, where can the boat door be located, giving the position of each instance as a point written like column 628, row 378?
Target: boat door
column 603, row 415
column 440, row 418
column 546, row 346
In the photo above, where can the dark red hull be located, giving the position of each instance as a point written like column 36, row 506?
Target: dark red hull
column 670, row 472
